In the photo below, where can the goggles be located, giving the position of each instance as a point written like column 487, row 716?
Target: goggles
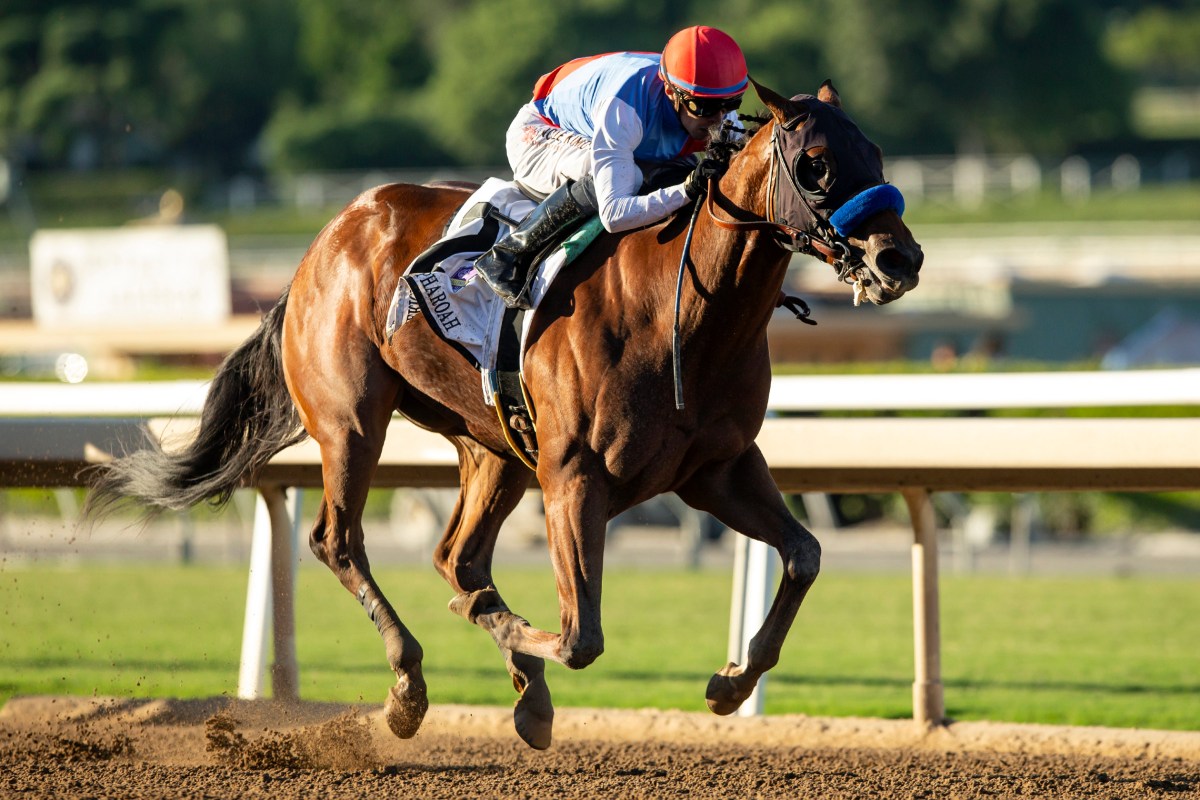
column 707, row 106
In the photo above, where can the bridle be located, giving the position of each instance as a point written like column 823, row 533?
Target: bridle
column 827, row 244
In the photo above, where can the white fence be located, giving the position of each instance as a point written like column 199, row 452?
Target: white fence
column 968, row 181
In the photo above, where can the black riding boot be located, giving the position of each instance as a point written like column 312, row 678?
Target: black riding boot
column 506, row 266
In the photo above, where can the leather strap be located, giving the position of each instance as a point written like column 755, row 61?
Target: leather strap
column 513, row 409
column 806, row 241
column 738, row 225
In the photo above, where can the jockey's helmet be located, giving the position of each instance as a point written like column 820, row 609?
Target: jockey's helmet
column 704, row 62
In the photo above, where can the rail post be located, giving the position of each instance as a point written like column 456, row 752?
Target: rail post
column 928, row 702
column 270, row 595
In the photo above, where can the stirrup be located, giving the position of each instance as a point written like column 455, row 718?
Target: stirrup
column 521, row 301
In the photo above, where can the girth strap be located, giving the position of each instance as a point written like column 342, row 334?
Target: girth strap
column 516, row 413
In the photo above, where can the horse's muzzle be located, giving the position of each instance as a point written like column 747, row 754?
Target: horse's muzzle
column 895, row 268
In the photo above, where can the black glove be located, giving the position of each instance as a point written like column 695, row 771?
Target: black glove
column 696, row 184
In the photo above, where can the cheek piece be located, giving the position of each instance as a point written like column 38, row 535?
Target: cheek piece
column 870, row 201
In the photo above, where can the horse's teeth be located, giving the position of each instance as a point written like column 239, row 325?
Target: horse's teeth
column 860, row 291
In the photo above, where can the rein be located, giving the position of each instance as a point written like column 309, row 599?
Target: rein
column 676, row 356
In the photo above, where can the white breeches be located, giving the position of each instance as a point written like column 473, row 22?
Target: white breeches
column 544, row 157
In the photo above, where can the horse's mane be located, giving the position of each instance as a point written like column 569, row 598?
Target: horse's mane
column 757, row 120
column 723, row 146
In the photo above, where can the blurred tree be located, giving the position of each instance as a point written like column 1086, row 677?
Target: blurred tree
column 976, row 75
column 782, row 40
column 490, row 57
column 361, row 65
column 113, row 82
column 926, row 76
column 1160, row 43
column 219, row 73
column 304, row 84
column 71, row 74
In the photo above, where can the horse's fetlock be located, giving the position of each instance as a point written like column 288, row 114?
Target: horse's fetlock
column 581, row 651
column 761, row 658
column 404, row 659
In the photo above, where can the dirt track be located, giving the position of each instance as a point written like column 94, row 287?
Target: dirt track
column 83, row 747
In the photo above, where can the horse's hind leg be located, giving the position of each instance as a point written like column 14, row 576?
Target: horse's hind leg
column 742, row 494
column 337, row 541
column 492, row 485
column 350, row 430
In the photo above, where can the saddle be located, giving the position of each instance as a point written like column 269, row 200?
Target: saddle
column 441, row 285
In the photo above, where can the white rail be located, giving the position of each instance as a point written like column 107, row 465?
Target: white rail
column 789, row 393
column 991, row 390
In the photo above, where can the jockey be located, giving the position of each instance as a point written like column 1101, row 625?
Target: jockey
column 596, row 125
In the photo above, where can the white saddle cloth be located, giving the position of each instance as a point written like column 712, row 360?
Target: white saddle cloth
column 460, row 305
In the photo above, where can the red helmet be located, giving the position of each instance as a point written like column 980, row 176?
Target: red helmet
column 704, row 62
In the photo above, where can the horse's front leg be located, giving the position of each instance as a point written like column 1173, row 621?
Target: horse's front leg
column 491, row 487
column 743, row 495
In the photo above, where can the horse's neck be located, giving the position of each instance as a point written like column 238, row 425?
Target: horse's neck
column 746, row 181
column 741, row 271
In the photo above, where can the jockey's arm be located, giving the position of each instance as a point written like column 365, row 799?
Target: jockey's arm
column 618, row 131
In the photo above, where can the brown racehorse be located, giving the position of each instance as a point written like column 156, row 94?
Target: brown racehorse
column 598, row 367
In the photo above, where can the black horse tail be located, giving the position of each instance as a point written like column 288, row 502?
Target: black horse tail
column 248, row 417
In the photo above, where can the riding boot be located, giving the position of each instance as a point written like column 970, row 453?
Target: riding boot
column 506, row 266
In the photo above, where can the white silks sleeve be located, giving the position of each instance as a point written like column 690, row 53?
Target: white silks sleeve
column 618, row 130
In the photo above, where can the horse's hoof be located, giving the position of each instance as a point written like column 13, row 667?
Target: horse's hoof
column 533, row 715
column 405, row 708
column 723, row 695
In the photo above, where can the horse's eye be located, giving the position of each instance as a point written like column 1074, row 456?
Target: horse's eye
column 813, row 173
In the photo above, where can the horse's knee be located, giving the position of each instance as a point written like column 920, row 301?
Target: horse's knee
column 579, row 649
column 803, row 558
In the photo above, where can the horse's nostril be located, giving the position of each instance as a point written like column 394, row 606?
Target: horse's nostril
column 893, row 264
column 899, row 263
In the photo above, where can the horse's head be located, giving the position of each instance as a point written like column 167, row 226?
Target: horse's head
column 827, row 192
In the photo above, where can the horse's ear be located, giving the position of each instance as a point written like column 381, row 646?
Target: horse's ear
column 828, row 94
column 779, row 106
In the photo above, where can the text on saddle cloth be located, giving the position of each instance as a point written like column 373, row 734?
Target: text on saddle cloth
column 462, row 308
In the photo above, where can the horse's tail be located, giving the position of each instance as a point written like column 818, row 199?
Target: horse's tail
column 247, row 418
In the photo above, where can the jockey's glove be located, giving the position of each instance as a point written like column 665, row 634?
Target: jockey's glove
column 696, row 184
